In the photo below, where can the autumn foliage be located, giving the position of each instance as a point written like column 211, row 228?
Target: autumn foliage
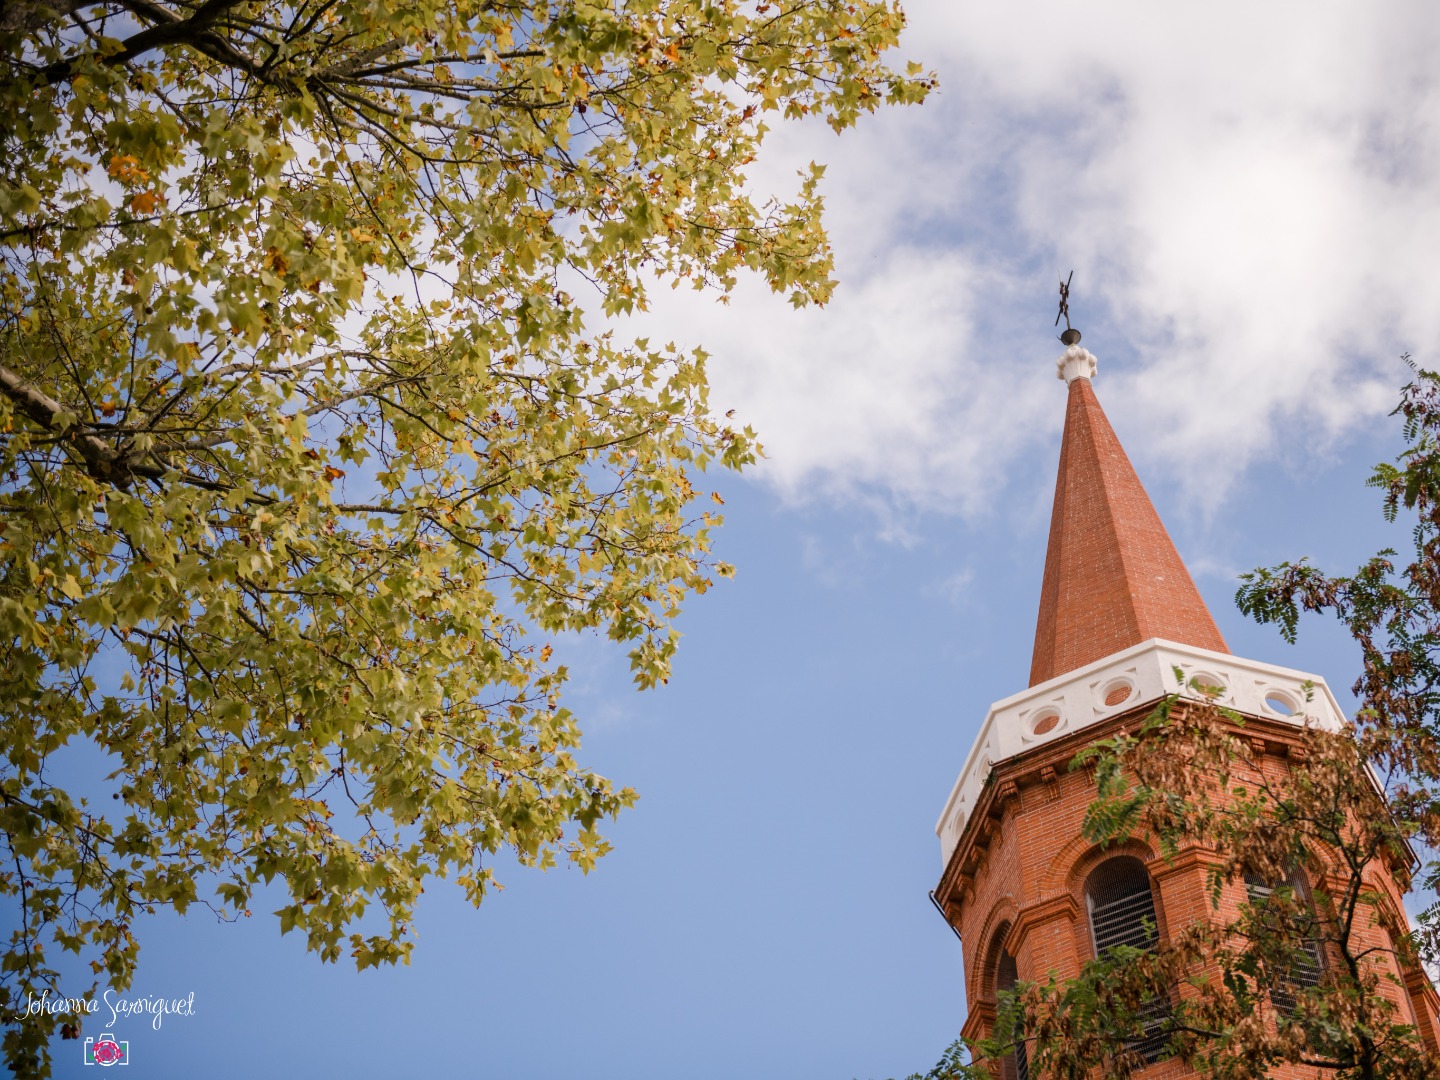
column 311, row 432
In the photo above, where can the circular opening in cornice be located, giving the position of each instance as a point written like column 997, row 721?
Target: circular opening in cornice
column 1118, row 691
column 1207, row 684
column 1277, row 701
column 1044, row 722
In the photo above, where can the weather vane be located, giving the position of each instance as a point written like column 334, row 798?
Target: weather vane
column 1071, row 336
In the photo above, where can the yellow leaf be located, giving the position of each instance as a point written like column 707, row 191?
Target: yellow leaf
column 183, row 254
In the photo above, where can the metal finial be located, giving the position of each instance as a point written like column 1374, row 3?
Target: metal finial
column 1071, row 336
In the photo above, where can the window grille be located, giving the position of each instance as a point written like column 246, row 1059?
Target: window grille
column 1307, row 965
column 1122, row 912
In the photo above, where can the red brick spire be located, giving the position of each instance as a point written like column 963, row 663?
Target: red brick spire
column 1112, row 576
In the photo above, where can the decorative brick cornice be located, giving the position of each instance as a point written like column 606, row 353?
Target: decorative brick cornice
column 1190, row 858
column 1129, row 684
column 980, row 1022
column 1048, row 763
column 1061, row 906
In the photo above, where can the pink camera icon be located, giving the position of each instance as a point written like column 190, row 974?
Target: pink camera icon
column 106, row 1051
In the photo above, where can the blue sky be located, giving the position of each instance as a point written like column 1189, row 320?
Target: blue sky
column 1247, row 197
column 764, row 913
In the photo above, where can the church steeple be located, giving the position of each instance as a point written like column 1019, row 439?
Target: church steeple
column 1112, row 575
column 1121, row 629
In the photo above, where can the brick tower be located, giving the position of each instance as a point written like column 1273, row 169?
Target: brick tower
column 1027, row 893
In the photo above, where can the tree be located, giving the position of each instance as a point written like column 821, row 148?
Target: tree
column 1302, row 959
column 1282, row 971
column 304, row 438
column 1289, row 974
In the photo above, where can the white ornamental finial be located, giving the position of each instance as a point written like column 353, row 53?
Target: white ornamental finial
column 1075, row 363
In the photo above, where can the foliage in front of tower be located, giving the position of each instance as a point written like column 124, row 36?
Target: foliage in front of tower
column 1302, row 958
column 306, row 447
column 1297, row 960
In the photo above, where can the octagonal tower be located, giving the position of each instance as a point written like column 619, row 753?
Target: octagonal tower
column 1119, row 614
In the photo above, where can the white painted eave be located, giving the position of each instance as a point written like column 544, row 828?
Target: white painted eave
column 1077, row 700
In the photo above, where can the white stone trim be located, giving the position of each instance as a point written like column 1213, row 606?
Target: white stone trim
column 1075, row 363
column 1077, row 698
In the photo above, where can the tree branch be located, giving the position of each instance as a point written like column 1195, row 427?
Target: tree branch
column 102, row 461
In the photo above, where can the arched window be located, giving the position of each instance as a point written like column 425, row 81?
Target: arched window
column 1015, row 1066
column 1122, row 912
column 1307, row 965
column 1122, row 908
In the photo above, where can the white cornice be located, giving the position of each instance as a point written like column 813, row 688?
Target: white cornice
column 1077, row 699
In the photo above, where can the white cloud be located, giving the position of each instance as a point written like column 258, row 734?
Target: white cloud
column 864, row 394
column 1247, row 195
column 956, row 589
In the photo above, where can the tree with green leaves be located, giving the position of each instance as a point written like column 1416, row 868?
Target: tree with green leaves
column 1304, row 958
column 307, row 447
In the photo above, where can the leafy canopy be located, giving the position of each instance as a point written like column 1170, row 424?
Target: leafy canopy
column 303, row 436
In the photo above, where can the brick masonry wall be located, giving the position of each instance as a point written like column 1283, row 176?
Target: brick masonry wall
column 1017, row 878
